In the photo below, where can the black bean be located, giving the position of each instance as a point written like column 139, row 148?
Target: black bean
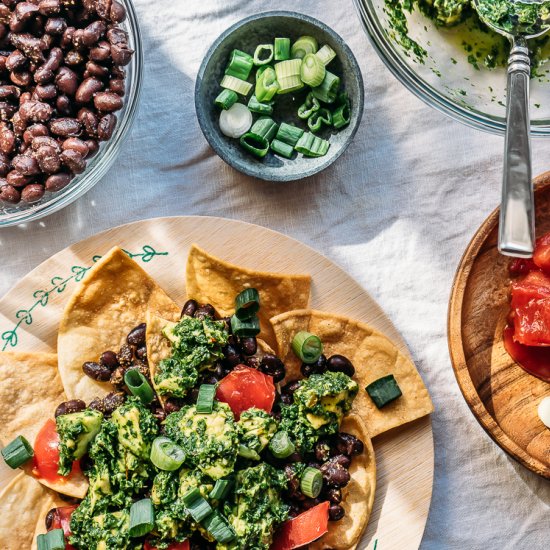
column 86, row 90
column 93, row 32
column 65, row 127
column 45, row 91
column 76, row 145
column 63, row 105
column 172, row 406
column 319, row 367
column 57, row 181
column 96, row 371
column 252, row 362
column 66, row 81
column 17, row 179
column 101, row 52
column 16, row 60
column 189, row 308
column 7, row 139
column 49, row 518
column 32, row 193
column 9, row 194
column 28, row 166
column 121, row 54
column 55, row 26
column 141, row 353
column 307, row 370
column 73, row 160
column 69, row 407
column 339, row 363
column 334, row 473
column 126, row 355
column 109, row 359
column 112, row 401
column 348, row 444
column 309, row 503
column 49, row 7
column 342, row 460
column 205, row 311
column 334, row 495
column 249, row 346
column 136, row 337
column 106, row 127
column 117, row 13
column 89, row 120
column 336, row 512
column 272, row 365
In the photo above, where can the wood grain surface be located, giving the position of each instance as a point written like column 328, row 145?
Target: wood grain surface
column 31, row 311
column 502, row 396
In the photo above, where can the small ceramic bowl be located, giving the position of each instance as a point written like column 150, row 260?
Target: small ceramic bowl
column 246, row 35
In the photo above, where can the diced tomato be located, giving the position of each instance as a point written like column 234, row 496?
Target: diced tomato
column 541, row 256
column 62, row 520
column 302, row 529
column 244, row 388
column 521, row 266
column 533, row 359
column 173, row 546
column 46, row 454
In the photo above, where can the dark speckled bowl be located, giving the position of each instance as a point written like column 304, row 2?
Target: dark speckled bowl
column 246, row 35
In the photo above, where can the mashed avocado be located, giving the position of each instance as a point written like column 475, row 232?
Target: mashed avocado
column 319, row 405
column 210, row 441
column 108, row 531
column 448, row 12
column 255, row 508
column 256, row 428
column 76, row 431
column 196, row 345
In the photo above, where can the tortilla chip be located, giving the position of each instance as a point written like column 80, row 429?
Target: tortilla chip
column 113, row 298
column 217, row 282
column 357, row 496
column 373, row 356
column 20, row 501
column 158, row 347
column 50, row 501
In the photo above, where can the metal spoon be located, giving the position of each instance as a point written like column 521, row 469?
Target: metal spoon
column 517, row 212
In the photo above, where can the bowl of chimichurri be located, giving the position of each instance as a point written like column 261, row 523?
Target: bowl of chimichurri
column 449, row 59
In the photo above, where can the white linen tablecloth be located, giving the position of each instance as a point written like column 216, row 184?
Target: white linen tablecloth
column 396, row 211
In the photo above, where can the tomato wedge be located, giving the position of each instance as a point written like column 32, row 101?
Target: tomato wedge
column 173, row 546
column 541, row 256
column 46, row 454
column 302, row 529
column 244, row 388
column 62, row 520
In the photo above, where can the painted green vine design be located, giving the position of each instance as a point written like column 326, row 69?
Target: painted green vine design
column 58, row 285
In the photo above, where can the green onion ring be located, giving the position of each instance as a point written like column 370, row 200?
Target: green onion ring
column 166, row 455
column 308, row 347
column 142, row 518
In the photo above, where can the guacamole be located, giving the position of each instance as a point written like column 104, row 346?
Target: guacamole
column 196, row 345
column 517, row 16
column 256, row 428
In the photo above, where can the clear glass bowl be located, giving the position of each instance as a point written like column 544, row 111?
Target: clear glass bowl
column 97, row 166
column 446, row 80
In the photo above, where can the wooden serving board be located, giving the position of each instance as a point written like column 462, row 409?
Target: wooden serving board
column 31, row 311
column 502, row 396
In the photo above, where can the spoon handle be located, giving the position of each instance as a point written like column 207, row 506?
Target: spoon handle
column 517, row 220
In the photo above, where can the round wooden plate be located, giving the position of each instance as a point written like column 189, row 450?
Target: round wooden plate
column 31, row 311
column 502, row 396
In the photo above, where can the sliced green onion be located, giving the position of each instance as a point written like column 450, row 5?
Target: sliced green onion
column 328, row 89
column 282, row 49
column 52, row 540
column 308, row 107
column 303, row 46
column 219, row 528
column 139, row 386
column 247, row 303
column 317, row 119
column 245, row 329
column 266, row 85
column 245, row 452
column 166, row 455
column 142, row 518
column 240, row 65
column 256, row 106
column 312, row 146
column 312, row 71
column 220, row 490
column 282, row 148
column 281, row 446
column 236, row 121
column 263, row 54
column 384, row 390
column 196, row 505
column 288, row 76
column 343, row 99
column 311, row 482
column 326, row 54
column 341, row 116
column 307, row 347
column 236, row 84
column 17, row 452
column 289, row 134
column 205, row 399
column 261, row 69
column 257, row 140
column 226, row 99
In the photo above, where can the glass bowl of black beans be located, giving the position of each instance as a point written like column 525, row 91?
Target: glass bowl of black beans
column 70, row 80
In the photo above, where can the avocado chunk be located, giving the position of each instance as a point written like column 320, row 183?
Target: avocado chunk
column 256, row 427
column 196, row 345
column 76, row 431
column 210, row 441
column 107, row 531
column 448, row 12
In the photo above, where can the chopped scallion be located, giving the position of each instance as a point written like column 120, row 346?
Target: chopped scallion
column 308, row 347
column 341, row 116
column 236, row 121
column 142, row 518
column 266, row 85
column 236, row 84
column 226, row 99
column 289, row 134
column 282, row 148
column 312, row 71
column 245, row 329
column 328, row 89
column 256, row 106
column 326, row 54
column 303, row 46
column 245, row 452
column 247, row 302
column 221, row 489
column 17, row 452
column 311, row 482
column 384, row 390
column 308, row 107
column 288, row 76
column 139, row 386
column 281, row 446
column 52, row 540
column 257, row 140
column 263, row 54
column 205, row 399
column 240, row 65
column 311, row 145
column 219, row 528
column 166, row 455
column 318, row 119
column 282, row 49
column 196, row 505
